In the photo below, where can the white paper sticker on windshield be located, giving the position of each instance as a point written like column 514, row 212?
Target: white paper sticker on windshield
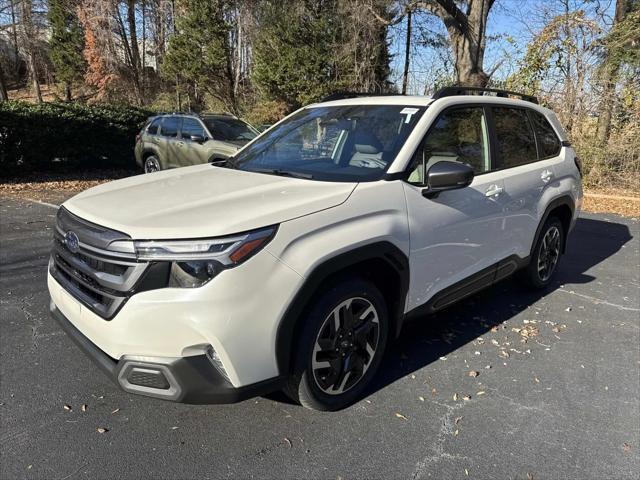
column 409, row 112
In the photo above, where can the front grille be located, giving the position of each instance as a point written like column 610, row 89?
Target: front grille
column 102, row 280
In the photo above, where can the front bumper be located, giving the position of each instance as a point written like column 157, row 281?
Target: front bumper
column 191, row 379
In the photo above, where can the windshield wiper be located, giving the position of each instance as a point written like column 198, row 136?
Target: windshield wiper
column 282, row 173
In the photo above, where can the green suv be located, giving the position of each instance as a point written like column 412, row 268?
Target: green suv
column 178, row 140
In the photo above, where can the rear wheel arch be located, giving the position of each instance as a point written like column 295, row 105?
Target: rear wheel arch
column 382, row 263
column 562, row 208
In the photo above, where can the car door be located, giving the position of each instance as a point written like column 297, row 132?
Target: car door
column 528, row 169
column 192, row 151
column 458, row 233
column 169, row 141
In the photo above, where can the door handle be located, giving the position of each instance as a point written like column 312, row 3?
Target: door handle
column 493, row 191
column 180, row 144
column 546, row 175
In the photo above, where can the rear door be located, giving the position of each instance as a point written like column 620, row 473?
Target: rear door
column 192, row 152
column 169, row 129
column 527, row 151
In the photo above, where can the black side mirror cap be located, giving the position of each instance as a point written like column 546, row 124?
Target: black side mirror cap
column 197, row 138
column 446, row 175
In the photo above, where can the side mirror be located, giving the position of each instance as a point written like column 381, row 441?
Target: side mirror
column 197, row 138
column 447, row 175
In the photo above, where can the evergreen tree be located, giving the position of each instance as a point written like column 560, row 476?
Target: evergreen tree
column 199, row 53
column 66, row 44
column 295, row 59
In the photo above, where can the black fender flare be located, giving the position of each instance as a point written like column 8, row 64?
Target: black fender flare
column 384, row 250
column 555, row 203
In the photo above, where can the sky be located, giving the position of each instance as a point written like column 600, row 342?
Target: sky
column 510, row 27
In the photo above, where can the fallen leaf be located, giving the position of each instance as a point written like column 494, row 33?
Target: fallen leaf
column 455, row 397
column 455, row 434
column 102, row 430
column 84, row 407
column 529, row 476
column 399, row 415
column 115, row 411
column 466, row 398
column 536, row 379
column 495, row 342
column 473, row 373
column 457, row 420
column 67, row 407
column 466, row 472
column 626, row 447
column 421, row 399
column 288, row 442
column 568, row 309
column 174, row 428
column 481, row 392
column 503, row 354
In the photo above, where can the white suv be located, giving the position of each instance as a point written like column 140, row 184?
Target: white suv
column 292, row 267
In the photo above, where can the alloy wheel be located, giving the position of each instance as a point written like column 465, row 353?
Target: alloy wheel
column 345, row 345
column 151, row 165
column 549, row 253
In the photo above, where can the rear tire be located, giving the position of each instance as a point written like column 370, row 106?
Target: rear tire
column 545, row 256
column 152, row 164
column 340, row 346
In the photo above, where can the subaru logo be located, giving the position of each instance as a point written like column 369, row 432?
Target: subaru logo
column 72, row 242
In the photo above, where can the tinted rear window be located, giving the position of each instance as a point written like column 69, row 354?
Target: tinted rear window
column 516, row 142
column 548, row 141
column 170, row 126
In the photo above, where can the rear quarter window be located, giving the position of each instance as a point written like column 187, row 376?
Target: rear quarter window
column 152, row 129
column 548, row 142
column 514, row 134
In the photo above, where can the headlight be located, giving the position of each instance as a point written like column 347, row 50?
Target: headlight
column 195, row 262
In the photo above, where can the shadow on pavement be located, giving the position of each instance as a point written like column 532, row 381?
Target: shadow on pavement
column 428, row 338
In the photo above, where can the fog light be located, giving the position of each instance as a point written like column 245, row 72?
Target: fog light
column 214, row 358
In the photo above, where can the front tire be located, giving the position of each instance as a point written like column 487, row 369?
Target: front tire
column 546, row 255
column 340, row 346
column 151, row 164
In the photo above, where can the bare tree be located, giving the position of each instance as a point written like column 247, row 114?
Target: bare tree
column 29, row 42
column 610, row 69
column 4, row 96
column 467, row 32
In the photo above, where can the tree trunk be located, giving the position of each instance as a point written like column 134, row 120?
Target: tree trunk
column 467, row 35
column 610, row 69
column 407, row 53
column 4, row 96
column 135, row 51
column 14, row 34
column 29, row 39
column 67, row 92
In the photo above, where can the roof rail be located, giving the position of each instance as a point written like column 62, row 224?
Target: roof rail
column 459, row 90
column 344, row 95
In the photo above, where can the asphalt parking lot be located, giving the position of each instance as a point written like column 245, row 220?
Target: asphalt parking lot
column 556, row 393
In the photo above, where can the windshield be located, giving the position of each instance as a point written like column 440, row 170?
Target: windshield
column 230, row 130
column 345, row 143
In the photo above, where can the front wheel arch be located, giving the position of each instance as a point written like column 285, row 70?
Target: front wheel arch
column 376, row 262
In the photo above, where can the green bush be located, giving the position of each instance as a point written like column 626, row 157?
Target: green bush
column 60, row 136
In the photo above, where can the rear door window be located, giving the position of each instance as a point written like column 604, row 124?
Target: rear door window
column 170, row 126
column 548, row 142
column 515, row 138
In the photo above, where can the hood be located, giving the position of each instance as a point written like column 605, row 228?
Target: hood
column 203, row 201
